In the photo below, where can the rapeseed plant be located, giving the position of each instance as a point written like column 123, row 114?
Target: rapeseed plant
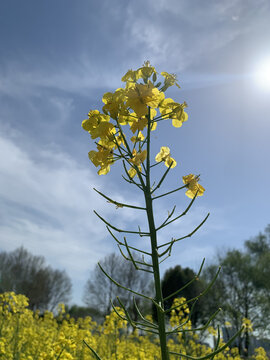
column 123, row 132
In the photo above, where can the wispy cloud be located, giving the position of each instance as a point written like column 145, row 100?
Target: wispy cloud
column 180, row 33
column 47, row 206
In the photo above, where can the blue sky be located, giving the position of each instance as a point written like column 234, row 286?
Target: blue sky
column 57, row 60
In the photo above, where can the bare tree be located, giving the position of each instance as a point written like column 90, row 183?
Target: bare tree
column 100, row 291
column 27, row 274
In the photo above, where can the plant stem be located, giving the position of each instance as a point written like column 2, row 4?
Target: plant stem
column 154, row 251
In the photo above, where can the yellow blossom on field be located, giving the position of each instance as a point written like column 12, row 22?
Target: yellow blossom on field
column 247, row 324
column 165, row 155
column 193, row 187
column 212, row 331
column 30, row 336
column 260, row 354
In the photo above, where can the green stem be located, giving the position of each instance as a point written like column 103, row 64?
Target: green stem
column 154, row 251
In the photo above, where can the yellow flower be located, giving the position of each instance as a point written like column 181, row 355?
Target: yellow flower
column 132, row 172
column 95, row 118
column 146, row 71
column 170, row 79
column 114, row 103
column 137, row 159
column 140, row 96
column 98, row 125
column 193, row 187
column 247, row 324
column 212, row 331
column 165, row 155
column 170, row 109
column 138, row 124
column 103, row 158
column 139, row 137
column 104, row 130
column 143, row 72
column 130, row 76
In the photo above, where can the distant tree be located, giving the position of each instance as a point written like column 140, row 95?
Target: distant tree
column 76, row 312
column 176, row 278
column 243, row 288
column 100, row 291
column 27, row 274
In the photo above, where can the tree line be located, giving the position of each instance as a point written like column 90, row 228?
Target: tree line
column 242, row 288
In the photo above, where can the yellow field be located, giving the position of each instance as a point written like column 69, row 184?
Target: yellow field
column 25, row 335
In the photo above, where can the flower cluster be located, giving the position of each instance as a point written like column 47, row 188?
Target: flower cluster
column 135, row 105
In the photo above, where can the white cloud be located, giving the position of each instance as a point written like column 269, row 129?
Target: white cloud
column 19, row 81
column 178, row 33
column 47, row 206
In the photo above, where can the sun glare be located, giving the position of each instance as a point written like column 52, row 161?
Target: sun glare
column 262, row 74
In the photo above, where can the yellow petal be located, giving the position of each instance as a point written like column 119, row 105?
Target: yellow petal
column 170, row 160
column 132, row 172
column 104, row 170
column 163, row 154
column 177, row 123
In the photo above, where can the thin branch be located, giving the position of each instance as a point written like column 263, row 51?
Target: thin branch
column 93, row 351
column 133, row 323
column 117, row 203
column 122, row 244
column 169, row 192
column 137, row 262
column 175, row 330
column 132, row 259
column 123, row 287
column 166, row 257
column 120, row 230
column 202, row 328
column 170, row 214
column 213, row 353
column 169, row 248
column 189, row 235
column 198, row 296
column 131, row 180
column 163, row 178
column 196, row 277
column 126, row 312
column 141, row 315
column 179, row 216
